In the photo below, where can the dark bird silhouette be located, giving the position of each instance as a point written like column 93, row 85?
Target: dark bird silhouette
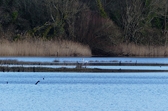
column 37, row 82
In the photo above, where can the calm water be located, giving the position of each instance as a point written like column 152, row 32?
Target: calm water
column 82, row 78
column 91, row 59
column 85, row 91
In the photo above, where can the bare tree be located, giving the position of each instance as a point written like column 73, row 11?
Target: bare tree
column 65, row 12
column 136, row 15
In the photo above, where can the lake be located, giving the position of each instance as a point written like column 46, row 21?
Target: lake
column 76, row 91
column 92, row 59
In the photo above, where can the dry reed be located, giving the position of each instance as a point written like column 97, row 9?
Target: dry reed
column 43, row 48
column 141, row 50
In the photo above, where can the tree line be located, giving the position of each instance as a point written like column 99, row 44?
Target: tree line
column 93, row 22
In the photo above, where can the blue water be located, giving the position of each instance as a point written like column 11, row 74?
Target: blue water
column 91, row 59
column 83, row 78
column 83, row 91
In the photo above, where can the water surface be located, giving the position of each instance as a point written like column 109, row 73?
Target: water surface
column 84, row 91
column 90, row 59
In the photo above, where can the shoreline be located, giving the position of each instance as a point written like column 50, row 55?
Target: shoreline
column 93, row 70
column 23, row 66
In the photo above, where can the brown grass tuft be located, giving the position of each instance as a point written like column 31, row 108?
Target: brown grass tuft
column 43, row 48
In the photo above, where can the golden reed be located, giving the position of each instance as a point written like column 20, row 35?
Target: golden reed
column 43, row 48
column 140, row 50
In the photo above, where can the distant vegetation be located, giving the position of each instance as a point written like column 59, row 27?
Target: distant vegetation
column 103, row 25
column 37, row 47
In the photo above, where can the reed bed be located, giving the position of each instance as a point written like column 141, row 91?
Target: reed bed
column 141, row 50
column 43, row 48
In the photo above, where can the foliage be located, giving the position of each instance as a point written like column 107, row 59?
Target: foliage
column 92, row 22
column 101, row 9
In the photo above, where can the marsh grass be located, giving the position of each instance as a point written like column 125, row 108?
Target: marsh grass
column 43, row 48
column 140, row 50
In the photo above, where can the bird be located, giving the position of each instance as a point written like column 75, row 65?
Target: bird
column 84, row 61
column 37, row 82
